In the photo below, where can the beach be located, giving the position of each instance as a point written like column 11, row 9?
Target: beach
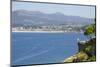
column 40, row 31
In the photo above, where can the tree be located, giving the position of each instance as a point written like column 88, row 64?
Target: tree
column 90, row 30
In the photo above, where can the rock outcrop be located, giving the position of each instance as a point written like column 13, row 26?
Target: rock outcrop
column 87, row 52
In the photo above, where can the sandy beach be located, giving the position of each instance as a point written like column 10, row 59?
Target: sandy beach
column 39, row 31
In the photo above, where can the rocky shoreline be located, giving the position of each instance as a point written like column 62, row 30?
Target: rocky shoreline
column 87, row 52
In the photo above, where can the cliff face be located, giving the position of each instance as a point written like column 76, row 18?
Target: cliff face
column 87, row 52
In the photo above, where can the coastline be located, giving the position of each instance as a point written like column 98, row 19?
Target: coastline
column 38, row 31
column 46, row 32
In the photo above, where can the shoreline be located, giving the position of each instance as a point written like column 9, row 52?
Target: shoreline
column 38, row 31
column 45, row 32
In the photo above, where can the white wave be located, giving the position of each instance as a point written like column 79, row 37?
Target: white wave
column 29, row 56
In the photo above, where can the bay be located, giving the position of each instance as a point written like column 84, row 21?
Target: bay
column 43, row 48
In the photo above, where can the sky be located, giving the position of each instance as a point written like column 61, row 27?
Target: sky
column 72, row 10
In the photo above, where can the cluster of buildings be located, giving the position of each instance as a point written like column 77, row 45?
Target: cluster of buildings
column 65, row 28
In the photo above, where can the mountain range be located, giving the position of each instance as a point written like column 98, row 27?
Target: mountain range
column 38, row 18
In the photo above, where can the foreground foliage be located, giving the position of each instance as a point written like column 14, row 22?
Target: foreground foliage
column 87, row 50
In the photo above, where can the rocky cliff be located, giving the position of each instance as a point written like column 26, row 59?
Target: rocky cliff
column 87, row 52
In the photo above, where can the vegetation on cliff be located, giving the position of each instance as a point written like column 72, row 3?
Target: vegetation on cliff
column 87, row 50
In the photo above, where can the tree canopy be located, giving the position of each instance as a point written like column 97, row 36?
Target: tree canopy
column 89, row 30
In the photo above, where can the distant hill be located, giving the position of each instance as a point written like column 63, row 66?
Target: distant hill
column 37, row 17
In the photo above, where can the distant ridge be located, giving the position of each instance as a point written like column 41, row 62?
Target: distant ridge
column 37, row 17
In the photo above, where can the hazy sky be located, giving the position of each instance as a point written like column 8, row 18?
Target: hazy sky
column 74, row 10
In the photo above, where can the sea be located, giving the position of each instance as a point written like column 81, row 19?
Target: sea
column 43, row 48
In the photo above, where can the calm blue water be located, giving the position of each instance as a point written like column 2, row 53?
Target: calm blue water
column 40, row 48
